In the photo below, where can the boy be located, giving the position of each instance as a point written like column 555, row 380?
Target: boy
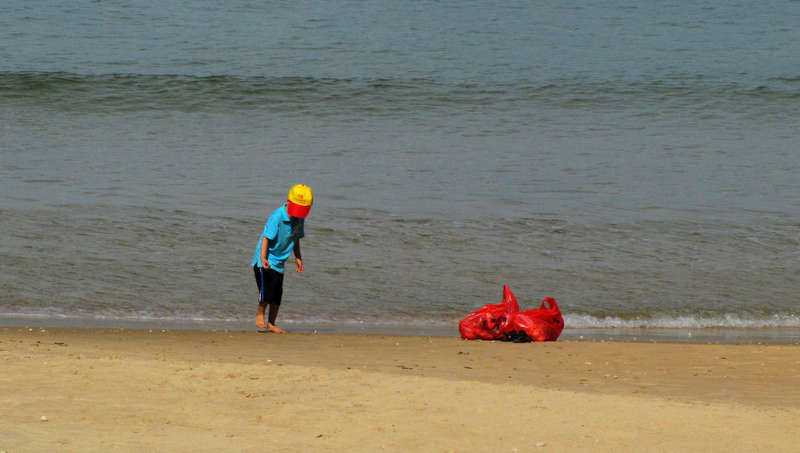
column 281, row 237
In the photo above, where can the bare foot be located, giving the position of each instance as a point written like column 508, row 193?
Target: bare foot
column 260, row 321
column 275, row 329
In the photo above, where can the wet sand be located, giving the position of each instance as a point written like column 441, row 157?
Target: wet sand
column 67, row 389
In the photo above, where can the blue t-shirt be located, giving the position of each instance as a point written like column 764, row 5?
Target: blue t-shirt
column 284, row 232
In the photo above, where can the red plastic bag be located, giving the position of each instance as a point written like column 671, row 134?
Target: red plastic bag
column 504, row 321
column 537, row 324
column 488, row 322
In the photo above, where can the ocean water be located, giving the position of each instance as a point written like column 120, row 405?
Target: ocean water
column 638, row 162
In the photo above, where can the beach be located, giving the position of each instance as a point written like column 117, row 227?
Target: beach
column 75, row 389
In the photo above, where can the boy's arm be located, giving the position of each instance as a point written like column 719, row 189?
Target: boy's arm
column 298, row 257
column 264, row 249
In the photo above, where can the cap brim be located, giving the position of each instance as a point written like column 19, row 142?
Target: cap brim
column 296, row 210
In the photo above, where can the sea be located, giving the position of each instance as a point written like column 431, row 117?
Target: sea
column 637, row 161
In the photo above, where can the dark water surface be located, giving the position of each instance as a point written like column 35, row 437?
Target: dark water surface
column 636, row 162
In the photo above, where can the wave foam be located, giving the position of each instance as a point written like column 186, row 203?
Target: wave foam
column 571, row 321
column 730, row 320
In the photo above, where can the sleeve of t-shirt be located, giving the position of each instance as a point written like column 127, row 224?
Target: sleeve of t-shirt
column 301, row 231
column 271, row 228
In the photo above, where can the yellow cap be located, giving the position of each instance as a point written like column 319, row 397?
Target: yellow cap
column 301, row 194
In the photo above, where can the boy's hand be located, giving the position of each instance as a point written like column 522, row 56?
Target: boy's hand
column 299, row 265
column 264, row 264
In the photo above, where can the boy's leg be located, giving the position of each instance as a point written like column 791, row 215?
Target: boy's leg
column 262, row 305
column 270, row 285
column 273, row 314
column 260, row 315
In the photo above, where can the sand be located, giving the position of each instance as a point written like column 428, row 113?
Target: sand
column 184, row 390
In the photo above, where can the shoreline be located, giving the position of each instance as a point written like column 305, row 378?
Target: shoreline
column 705, row 335
column 181, row 390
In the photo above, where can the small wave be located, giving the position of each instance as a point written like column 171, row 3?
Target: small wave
column 571, row 321
column 731, row 320
column 329, row 96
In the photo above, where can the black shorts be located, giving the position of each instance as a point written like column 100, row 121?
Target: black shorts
column 270, row 285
